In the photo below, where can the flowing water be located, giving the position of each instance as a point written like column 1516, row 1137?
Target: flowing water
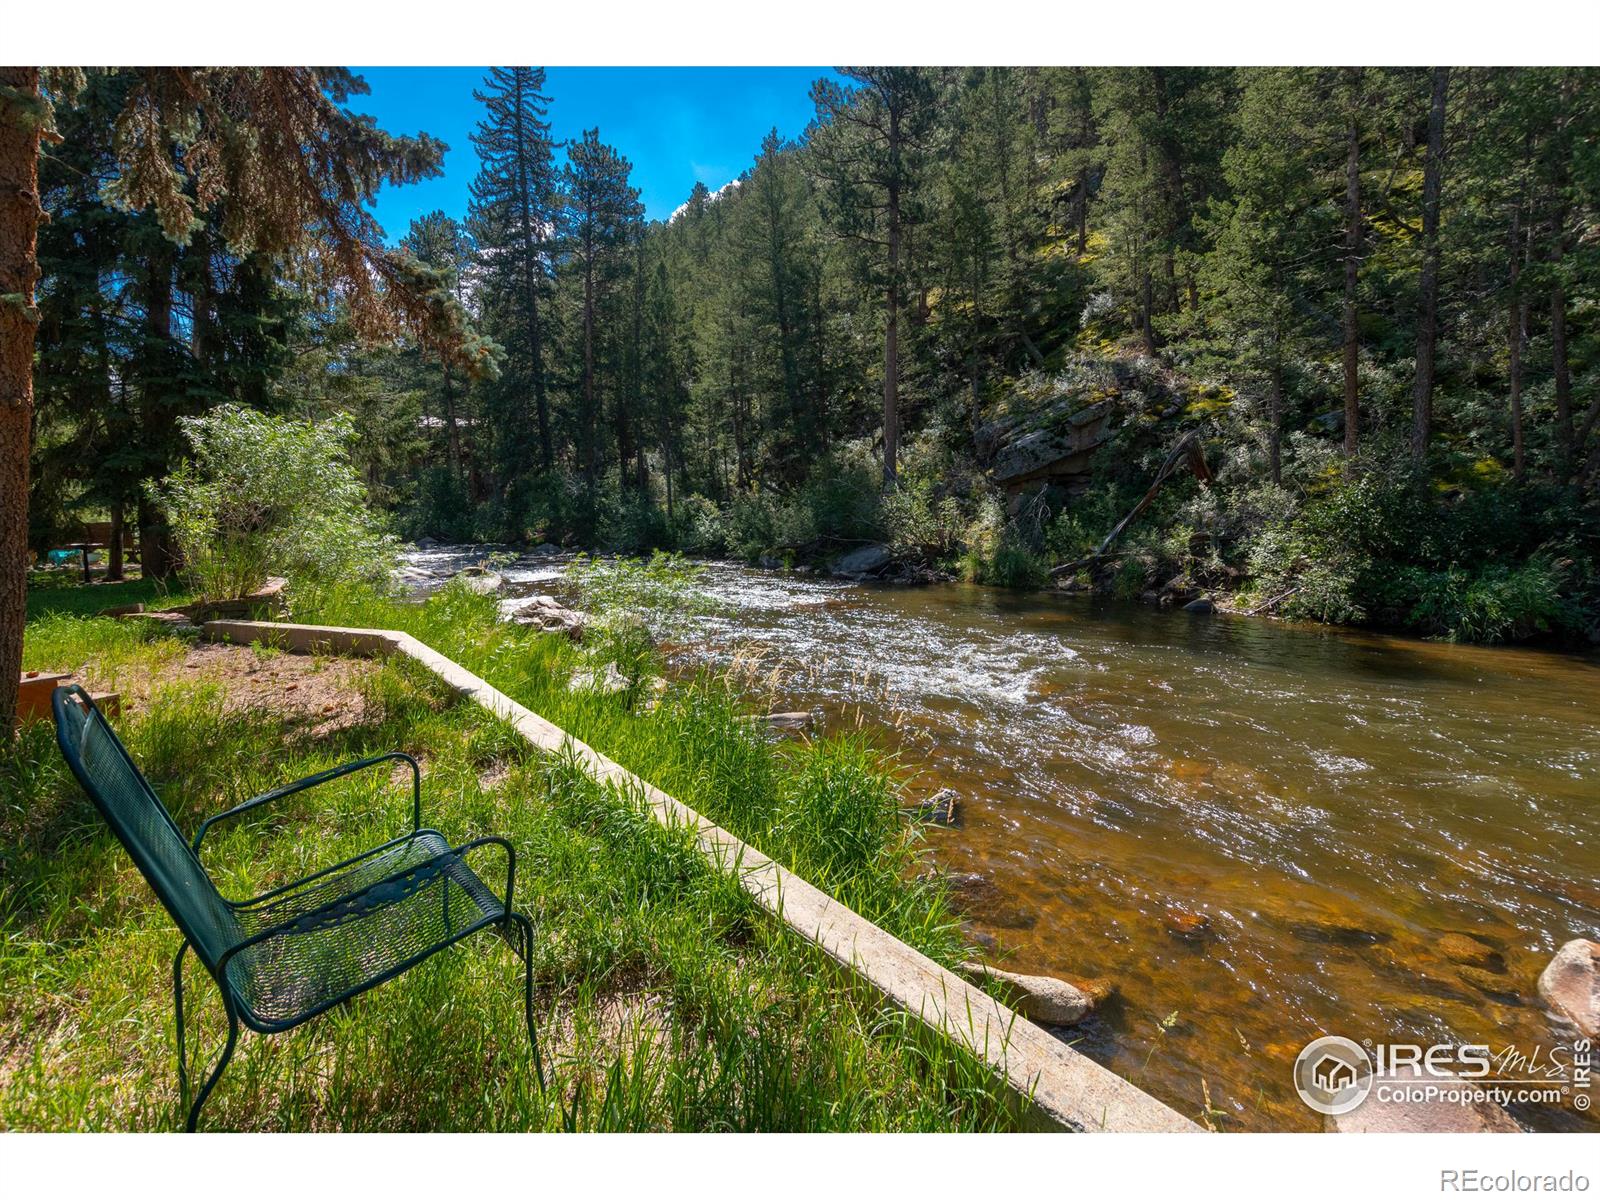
column 1259, row 832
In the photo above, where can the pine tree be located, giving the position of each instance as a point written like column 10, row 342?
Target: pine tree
column 297, row 169
column 512, row 220
column 600, row 213
column 442, row 244
column 868, row 146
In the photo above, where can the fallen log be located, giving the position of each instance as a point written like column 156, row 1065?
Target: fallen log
column 1188, row 449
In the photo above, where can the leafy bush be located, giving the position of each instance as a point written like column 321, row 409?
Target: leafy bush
column 699, row 526
column 751, row 522
column 1387, row 548
column 1498, row 604
column 666, row 586
column 270, row 495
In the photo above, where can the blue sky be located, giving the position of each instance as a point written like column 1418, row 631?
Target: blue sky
column 676, row 124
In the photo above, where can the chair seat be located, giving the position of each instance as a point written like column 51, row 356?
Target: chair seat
column 354, row 928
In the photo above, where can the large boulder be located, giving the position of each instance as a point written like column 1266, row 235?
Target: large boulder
column 863, row 562
column 1041, row 998
column 1570, row 985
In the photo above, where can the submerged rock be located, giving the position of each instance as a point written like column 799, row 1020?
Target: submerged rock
column 1570, row 985
column 1469, row 952
column 1185, row 924
column 1041, row 998
column 941, row 808
column 794, row 722
column 1201, row 606
column 1495, row 986
column 1334, row 933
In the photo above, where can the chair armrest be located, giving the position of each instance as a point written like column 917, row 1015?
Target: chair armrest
column 321, row 777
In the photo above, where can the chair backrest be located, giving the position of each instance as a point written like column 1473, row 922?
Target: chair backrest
column 142, row 824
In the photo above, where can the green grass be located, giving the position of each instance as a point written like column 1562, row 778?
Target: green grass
column 58, row 592
column 666, row 1000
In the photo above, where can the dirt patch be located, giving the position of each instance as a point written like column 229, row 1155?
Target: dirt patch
column 318, row 695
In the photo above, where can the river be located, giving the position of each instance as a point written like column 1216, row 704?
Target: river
column 1261, row 832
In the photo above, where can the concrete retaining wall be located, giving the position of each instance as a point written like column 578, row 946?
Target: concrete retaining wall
column 1064, row 1089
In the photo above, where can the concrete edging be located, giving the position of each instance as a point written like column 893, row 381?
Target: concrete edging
column 1064, row 1088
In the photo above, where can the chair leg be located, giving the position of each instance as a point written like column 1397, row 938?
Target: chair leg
column 183, row 1065
column 177, row 1008
column 216, row 1074
column 527, row 993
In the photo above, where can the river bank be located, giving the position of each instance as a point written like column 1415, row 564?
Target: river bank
column 1261, row 830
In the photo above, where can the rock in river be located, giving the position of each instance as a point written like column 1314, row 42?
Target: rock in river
column 868, row 560
column 1469, row 952
column 941, row 808
column 1040, row 998
column 1571, row 985
column 1186, row 924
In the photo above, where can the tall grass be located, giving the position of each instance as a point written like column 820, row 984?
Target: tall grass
column 667, row 1001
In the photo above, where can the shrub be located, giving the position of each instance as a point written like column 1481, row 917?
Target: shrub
column 265, row 495
column 1497, row 604
column 751, row 521
column 699, row 526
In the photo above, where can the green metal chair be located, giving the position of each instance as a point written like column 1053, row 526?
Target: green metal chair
column 287, row 955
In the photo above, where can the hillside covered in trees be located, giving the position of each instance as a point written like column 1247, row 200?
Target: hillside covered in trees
column 969, row 314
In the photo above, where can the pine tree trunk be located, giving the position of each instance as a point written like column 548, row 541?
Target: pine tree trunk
column 1146, row 327
column 114, row 545
column 590, row 433
column 1352, row 267
column 1428, row 319
column 891, row 342
column 1516, row 321
column 452, row 431
column 1565, row 444
column 1082, row 214
column 158, row 557
column 1275, row 419
column 20, row 213
column 530, row 282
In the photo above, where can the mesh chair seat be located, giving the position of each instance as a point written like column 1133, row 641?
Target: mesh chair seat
column 353, row 928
